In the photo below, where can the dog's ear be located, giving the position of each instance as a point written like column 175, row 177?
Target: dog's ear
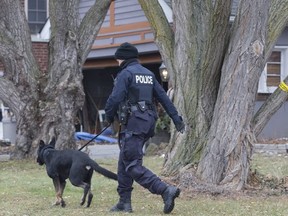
column 53, row 142
column 41, row 143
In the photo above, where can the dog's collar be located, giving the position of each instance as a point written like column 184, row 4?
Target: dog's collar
column 48, row 147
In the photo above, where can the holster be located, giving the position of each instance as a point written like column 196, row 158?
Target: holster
column 123, row 112
column 142, row 106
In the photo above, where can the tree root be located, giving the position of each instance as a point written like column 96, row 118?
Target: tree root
column 257, row 184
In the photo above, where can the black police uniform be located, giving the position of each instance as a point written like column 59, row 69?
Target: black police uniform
column 138, row 86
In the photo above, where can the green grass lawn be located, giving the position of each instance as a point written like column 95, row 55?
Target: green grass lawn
column 26, row 190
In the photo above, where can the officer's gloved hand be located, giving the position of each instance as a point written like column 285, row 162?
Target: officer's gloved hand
column 109, row 120
column 179, row 124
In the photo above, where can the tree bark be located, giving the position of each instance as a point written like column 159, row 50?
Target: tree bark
column 46, row 105
column 196, row 72
column 216, row 69
column 277, row 22
column 226, row 160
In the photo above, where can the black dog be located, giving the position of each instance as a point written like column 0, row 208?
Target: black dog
column 72, row 164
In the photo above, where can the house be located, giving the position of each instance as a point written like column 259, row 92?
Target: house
column 126, row 21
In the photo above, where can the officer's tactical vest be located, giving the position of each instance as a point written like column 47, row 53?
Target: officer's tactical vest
column 141, row 88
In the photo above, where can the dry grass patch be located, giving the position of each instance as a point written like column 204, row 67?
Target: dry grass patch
column 25, row 189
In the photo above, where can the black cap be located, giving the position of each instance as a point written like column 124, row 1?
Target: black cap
column 126, row 51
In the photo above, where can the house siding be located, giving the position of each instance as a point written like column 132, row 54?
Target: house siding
column 283, row 39
column 124, row 22
column 128, row 11
column 84, row 6
column 277, row 125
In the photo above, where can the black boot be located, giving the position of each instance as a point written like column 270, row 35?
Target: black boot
column 122, row 207
column 169, row 196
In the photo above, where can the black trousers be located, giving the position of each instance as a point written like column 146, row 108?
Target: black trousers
column 139, row 129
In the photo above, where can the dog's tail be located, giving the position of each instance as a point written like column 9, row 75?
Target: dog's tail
column 104, row 171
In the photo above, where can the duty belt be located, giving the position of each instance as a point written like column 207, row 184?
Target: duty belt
column 141, row 106
column 133, row 108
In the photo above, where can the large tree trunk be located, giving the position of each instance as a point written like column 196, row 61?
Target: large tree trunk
column 197, row 74
column 226, row 160
column 19, row 86
column 46, row 105
column 229, row 147
column 218, row 112
column 195, row 71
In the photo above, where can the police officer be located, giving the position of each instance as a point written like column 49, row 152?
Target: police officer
column 135, row 87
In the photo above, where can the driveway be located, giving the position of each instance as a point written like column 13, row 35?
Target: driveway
column 103, row 151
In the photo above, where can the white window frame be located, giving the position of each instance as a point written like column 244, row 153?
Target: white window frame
column 262, row 87
column 26, row 9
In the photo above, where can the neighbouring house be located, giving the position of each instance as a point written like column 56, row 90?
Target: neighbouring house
column 7, row 124
column 126, row 22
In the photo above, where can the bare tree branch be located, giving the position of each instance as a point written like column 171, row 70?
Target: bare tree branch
column 163, row 33
column 63, row 33
column 268, row 109
column 277, row 21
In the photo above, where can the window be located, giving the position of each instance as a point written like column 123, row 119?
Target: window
column 275, row 70
column 36, row 14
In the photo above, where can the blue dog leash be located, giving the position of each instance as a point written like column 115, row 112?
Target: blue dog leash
column 94, row 137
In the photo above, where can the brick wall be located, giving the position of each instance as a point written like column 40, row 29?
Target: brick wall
column 40, row 50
